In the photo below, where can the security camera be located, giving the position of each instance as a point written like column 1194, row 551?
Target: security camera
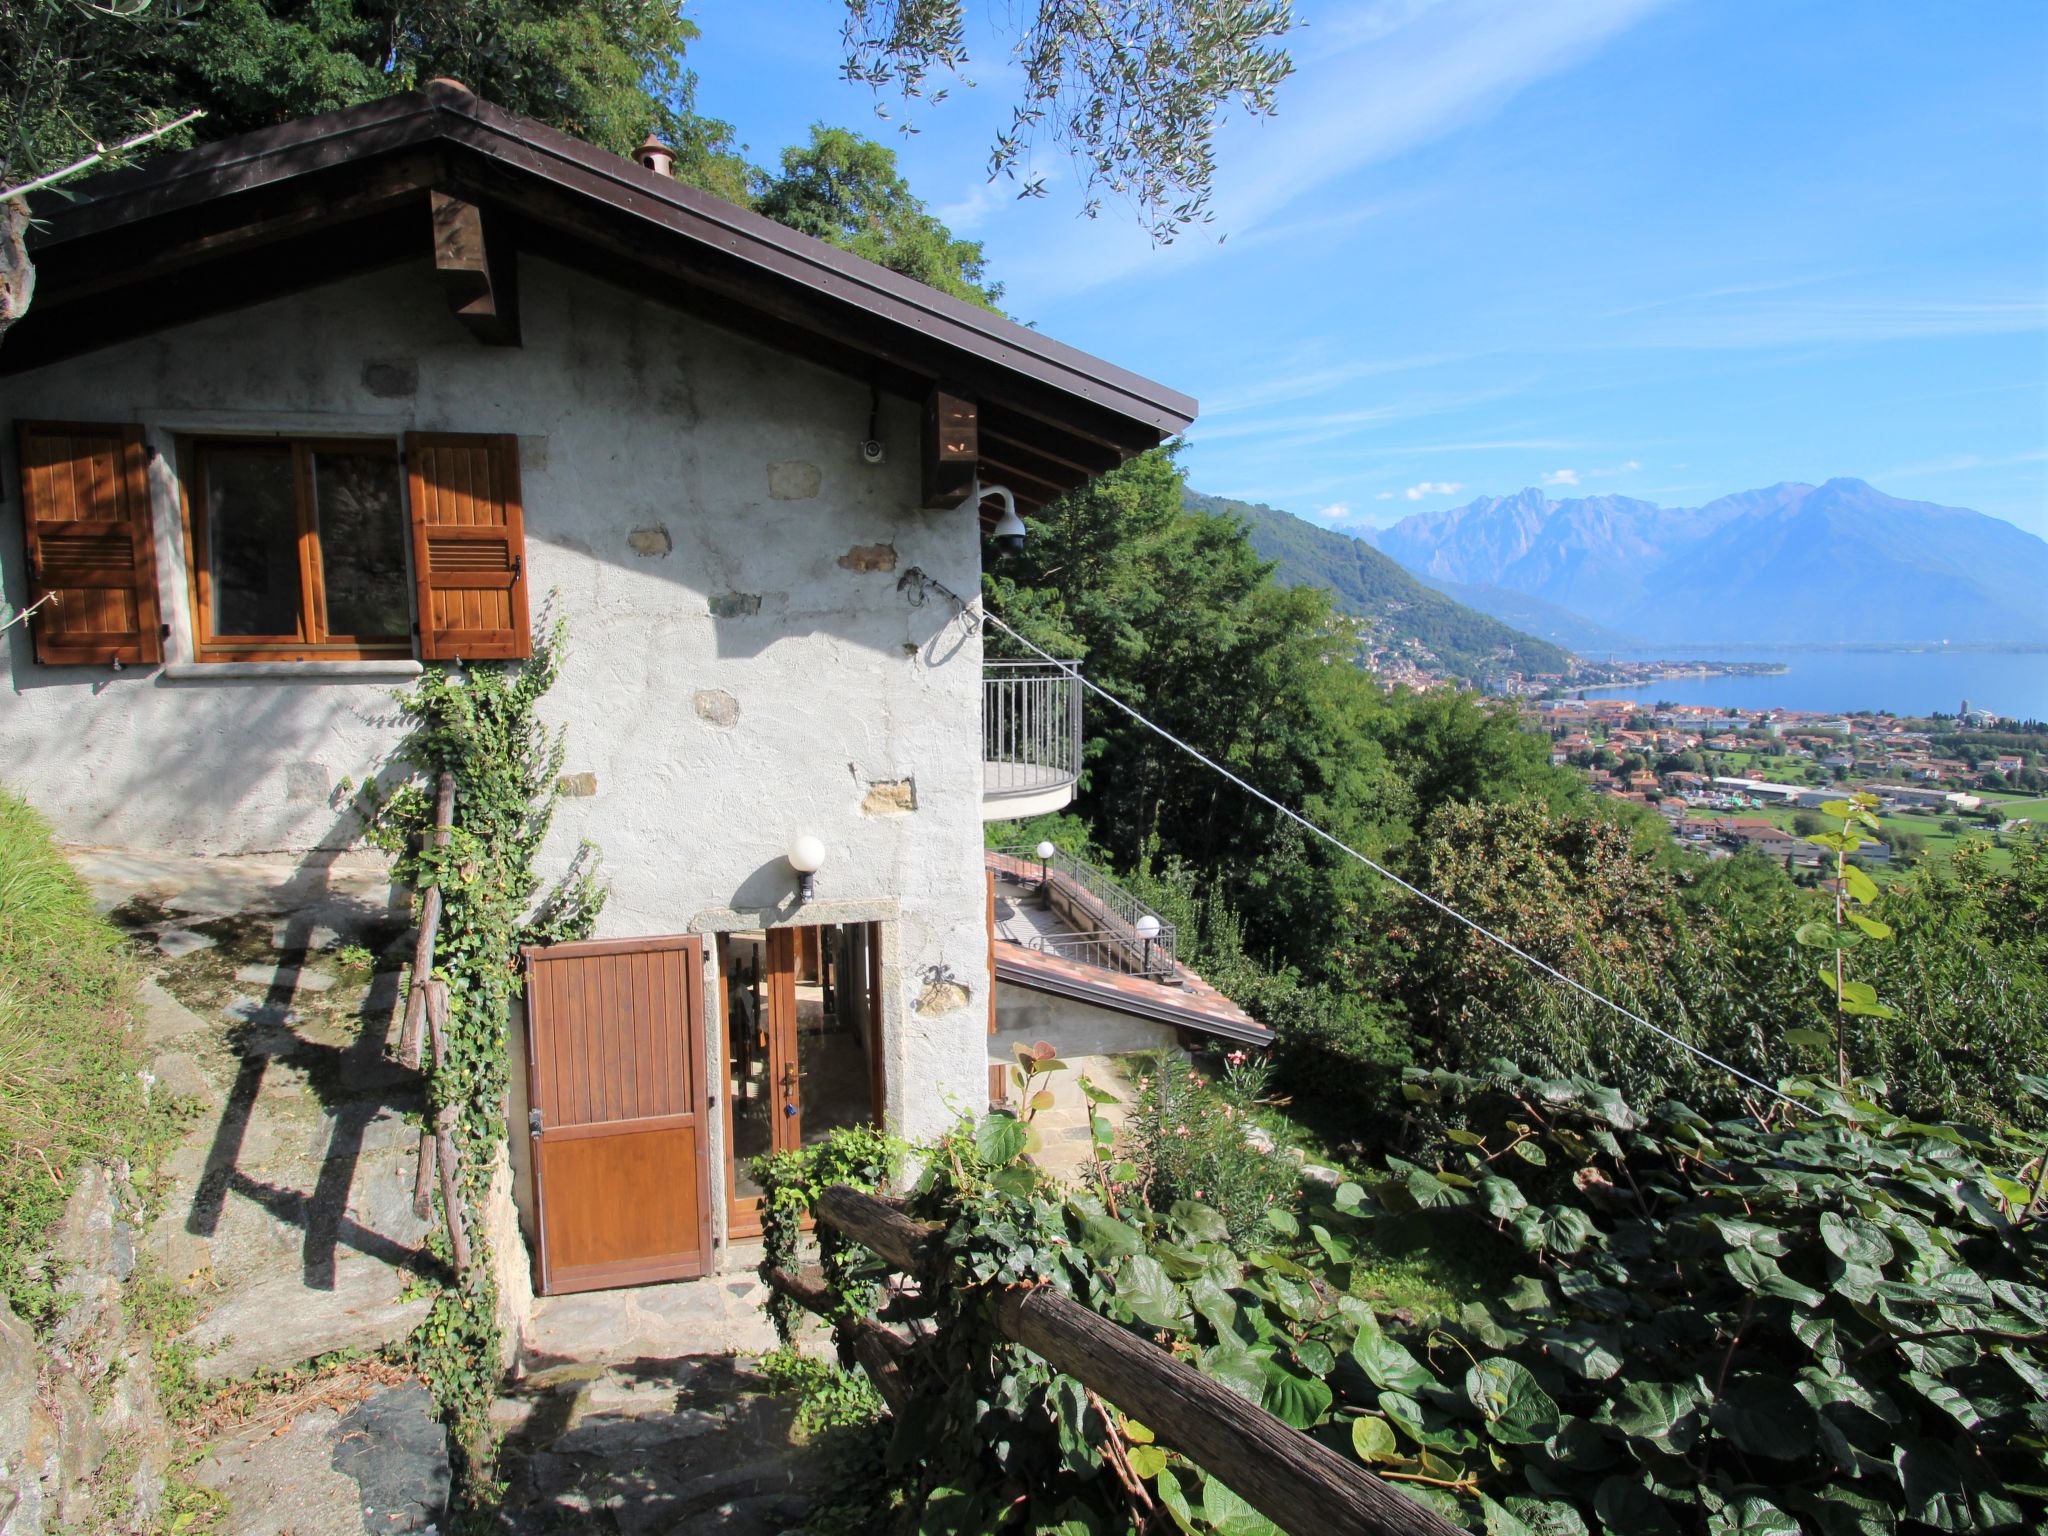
column 1009, row 533
column 872, row 451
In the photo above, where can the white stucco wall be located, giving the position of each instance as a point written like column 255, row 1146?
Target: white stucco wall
column 1072, row 1027
column 632, row 417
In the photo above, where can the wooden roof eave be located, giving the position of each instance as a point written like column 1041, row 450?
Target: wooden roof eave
column 1056, row 415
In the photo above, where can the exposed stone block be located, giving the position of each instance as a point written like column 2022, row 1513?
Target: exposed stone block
column 943, row 997
column 717, row 707
column 576, row 786
column 890, row 797
column 794, row 480
column 652, row 542
column 734, row 605
column 869, row 557
column 395, row 379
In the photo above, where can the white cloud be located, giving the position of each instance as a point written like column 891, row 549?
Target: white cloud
column 1335, row 512
column 1433, row 488
column 1382, row 495
column 1390, row 79
column 1562, row 477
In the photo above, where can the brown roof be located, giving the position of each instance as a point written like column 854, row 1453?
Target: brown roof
column 1193, row 1004
column 266, row 213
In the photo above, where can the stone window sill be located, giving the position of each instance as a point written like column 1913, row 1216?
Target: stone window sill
column 291, row 671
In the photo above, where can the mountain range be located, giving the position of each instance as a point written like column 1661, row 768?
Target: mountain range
column 1367, row 584
column 1791, row 564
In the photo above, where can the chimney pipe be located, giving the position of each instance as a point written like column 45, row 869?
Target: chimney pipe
column 656, row 157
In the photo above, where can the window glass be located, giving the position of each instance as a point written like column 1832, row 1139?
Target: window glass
column 252, row 541
column 362, row 542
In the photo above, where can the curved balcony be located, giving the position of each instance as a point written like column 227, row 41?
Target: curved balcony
column 1030, row 738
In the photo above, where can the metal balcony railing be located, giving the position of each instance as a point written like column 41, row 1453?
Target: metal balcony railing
column 1105, row 915
column 1030, row 728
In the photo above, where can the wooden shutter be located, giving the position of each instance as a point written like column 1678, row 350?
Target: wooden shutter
column 85, row 511
column 468, row 545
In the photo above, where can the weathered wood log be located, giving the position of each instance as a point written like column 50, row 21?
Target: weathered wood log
column 1290, row 1477
column 423, row 1175
column 430, row 923
column 879, row 1351
column 871, row 1223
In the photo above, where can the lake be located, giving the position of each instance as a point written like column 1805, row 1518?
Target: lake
column 2013, row 683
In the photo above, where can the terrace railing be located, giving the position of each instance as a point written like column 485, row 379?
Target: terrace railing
column 1030, row 731
column 1104, row 914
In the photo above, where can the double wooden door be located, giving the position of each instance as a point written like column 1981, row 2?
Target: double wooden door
column 615, row 1046
column 803, row 1013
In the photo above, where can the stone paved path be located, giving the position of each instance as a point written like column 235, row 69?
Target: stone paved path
column 652, row 1447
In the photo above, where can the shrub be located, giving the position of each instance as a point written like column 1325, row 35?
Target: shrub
column 1189, row 1143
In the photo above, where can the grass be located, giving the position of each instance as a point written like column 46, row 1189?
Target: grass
column 70, row 1047
column 1419, row 1264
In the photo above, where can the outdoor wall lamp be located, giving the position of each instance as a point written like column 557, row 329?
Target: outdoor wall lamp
column 1148, row 930
column 806, row 856
column 1045, row 851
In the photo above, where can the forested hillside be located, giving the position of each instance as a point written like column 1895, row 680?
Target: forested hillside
column 1470, row 646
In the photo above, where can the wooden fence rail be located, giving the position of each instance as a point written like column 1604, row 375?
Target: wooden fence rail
column 426, row 1013
column 1290, row 1477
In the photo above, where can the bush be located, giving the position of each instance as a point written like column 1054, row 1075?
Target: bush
column 1189, row 1143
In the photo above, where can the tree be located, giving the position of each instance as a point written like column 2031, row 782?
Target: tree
column 1132, row 91
column 846, row 189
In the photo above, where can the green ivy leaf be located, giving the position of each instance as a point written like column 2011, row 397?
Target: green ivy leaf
column 1201, row 1222
column 1232, row 1365
column 1105, row 1239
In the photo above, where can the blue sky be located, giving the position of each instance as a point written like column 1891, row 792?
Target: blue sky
column 1660, row 248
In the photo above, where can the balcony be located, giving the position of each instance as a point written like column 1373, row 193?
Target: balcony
column 1066, row 907
column 1030, row 738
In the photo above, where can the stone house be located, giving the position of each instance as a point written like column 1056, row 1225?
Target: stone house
column 301, row 412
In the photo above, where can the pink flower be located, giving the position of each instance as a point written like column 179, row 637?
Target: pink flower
column 1198, row 1194
column 1182, row 1131
column 1144, row 1083
column 1237, row 1058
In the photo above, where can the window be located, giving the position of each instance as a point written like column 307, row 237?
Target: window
column 298, row 550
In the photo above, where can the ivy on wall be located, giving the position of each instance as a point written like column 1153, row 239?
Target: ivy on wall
column 481, row 724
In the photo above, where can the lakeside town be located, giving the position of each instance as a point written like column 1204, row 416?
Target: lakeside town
column 1732, row 780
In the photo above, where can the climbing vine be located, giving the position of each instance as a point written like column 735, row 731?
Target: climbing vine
column 863, row 1157
column 480, row 724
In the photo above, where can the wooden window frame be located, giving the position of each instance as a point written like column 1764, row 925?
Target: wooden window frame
column 313, row 642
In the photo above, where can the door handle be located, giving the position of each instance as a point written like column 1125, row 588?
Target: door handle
column 534, row 1124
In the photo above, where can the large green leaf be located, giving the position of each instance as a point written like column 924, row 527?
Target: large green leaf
column 1201, row 1222
column 1234, row 1366
column 1766, row 1416
column 1627, row 1508
column 1389, row 1365
column 1105, row 1239
column 1759, row 1273
column 1516, row 1409
column 1229, row 1515
column 1854, row 1240
column 1293, row 1398
column 1666, row 1412
column 1936, row 1493
column 1373, row 1439
column 999, row 1139
column 1143, row 1287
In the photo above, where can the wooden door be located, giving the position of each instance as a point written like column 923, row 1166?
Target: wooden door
column 614, row 1033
